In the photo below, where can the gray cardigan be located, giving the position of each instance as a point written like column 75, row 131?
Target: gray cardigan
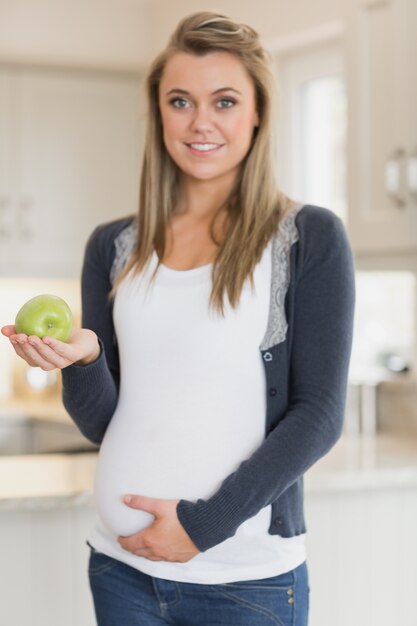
column 305, row 350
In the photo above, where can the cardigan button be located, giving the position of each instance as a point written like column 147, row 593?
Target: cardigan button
column 267, row 356
column 272, row 391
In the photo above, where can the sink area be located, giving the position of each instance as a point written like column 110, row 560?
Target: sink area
column 28, row 435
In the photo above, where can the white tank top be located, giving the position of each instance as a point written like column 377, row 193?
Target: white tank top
column 191, row 408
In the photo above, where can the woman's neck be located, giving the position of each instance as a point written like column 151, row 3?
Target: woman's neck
column 201, row 200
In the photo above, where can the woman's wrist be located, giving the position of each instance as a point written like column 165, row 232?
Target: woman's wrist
column 91, row 357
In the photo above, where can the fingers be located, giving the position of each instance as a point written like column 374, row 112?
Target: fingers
column 133, row 543
column 8, row 330
column 19, row 351
column 16, row 341
column 29, row 353
column 37, row 353
column 49, row 351
column 141, row 502
column 57, row 347
column 138, row 547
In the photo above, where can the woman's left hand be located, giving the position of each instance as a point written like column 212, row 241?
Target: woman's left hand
column 165, row 539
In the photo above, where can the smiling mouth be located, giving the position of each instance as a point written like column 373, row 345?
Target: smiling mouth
column 203, row 148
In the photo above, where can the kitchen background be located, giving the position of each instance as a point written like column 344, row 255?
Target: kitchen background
column 72, row 120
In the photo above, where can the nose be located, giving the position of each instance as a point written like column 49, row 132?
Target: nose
column 201, row 121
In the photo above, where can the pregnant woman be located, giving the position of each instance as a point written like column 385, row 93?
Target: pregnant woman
column 212, row 362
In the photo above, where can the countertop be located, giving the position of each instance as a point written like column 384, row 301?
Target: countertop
column 52, row 409
column 59, row 480
column 366, row 462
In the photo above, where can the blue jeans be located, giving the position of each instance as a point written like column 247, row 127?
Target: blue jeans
column 124, row 595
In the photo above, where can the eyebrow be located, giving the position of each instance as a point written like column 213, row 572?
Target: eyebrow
column 187, row 93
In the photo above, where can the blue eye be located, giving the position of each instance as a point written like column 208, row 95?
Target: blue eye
column 229, row 100
column 175, row 100
column 177, row 103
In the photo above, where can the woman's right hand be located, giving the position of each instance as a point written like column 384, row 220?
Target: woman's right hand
column 49, row 353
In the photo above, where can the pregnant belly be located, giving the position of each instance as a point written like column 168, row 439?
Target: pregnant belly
column 163, row 458
column 139, row 460
column 119, row 472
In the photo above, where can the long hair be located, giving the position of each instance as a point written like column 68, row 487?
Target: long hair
column 255, row 205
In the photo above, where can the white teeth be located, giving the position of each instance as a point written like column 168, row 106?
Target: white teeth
column 204, row 146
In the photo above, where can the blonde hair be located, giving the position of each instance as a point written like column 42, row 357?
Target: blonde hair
column 255, row 205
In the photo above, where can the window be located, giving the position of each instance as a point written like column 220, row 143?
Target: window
column 313, row 126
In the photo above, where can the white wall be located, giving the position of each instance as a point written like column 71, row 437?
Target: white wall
column 126, row 34
column 97, row 33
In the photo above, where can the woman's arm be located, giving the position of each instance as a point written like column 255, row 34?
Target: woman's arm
column 90, row 392
column 322, row 328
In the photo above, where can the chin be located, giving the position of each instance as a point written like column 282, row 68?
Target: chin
column 198, row 175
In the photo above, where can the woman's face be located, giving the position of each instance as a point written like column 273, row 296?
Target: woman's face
column 208, row 110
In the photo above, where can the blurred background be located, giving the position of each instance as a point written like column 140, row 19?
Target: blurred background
column 72, row 123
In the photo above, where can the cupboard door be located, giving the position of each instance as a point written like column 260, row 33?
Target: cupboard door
column 380, row 122
column 78, row 162
column 7, row 123
column 412, row 139
column 362, row 551
column 43, row 565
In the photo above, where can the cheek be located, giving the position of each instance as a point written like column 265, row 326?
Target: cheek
column 241, row 128
column 168, row 129
column 172, row 127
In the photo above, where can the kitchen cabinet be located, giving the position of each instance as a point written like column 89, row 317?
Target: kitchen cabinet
column 382, row 121
column 46, row 581
column 5, row 182
column 69, row 160
column 362, row 555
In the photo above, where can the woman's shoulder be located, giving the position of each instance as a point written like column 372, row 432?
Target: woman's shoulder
column 101, row 246
column 105, row 234
column 318, row 228
column 322, row 235
column 308, row 225
column 109, row 231
column 313, row 216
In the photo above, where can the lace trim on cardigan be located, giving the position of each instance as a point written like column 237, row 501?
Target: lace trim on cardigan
column 124, row 244
column 286, row 236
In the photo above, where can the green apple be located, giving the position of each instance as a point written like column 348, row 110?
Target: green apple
column 45, row 315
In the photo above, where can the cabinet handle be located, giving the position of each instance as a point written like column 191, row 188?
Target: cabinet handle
column 25, row 217
column 393, row 177
column 6, row 218
column 412, row 174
